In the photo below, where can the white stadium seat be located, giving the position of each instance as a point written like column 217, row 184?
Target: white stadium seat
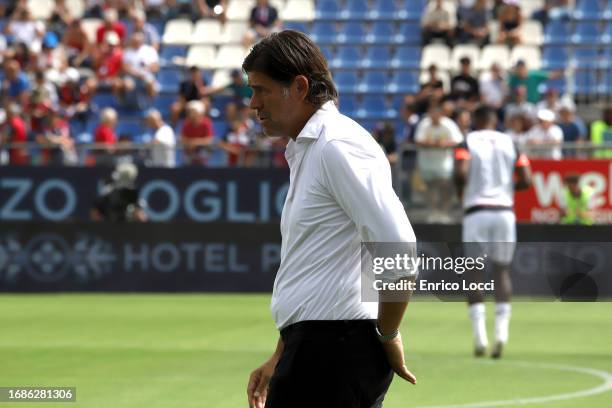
column 528, row 53
column 76, row 7
column 532, row 33
column 298, row 10
column 233, row 31
column 495, row 53
column 230, row 56
column 178, row 31
column 41, row 9
column 220, row 78
column 239, row 10
column 437, row 54
column 202, row 56
column 464, row 50
column 207, row 32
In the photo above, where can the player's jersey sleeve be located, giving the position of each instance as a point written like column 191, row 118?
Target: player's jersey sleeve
column 462, row 152
column 521, row 158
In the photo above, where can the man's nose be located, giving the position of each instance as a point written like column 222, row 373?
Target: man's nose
column 254, row 103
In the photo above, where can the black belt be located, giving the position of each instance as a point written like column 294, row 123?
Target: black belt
column 326, row 327
column 487, row 208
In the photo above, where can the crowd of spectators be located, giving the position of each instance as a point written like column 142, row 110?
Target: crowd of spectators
column 54, row 70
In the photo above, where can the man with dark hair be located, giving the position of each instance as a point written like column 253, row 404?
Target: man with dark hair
column 334, row 349
column 484, row 168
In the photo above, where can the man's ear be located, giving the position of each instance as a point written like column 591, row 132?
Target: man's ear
column 300, row 87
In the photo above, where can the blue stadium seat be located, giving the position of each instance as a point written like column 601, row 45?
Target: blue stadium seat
column 328, row 53
column 403, row 82
column 585, row 82
column 324, row 32
column 606, row 59
column 383, row 10
column 374, row 82
column 412, row 10
column 297, row 26
column 372, row 107
column 588, row 10
column 586, row 57
column 348, row 104
column 355, row 10
column 585, row 34
column 163, row 102
column 103, row 100
column 347, row 57
column 351, row 33
column 607, row 82
column 220, row 127
column 606, row 37
column 131, row 128
column 377, row 57
column 559, row 84
column 382, row 33
column 407, row 58
column 169, row 79
column 554, row 58
column 557, row 32
column 327, row 10
column 346, row 81
column 410, row 34
column 607, row 14
column 170, row 52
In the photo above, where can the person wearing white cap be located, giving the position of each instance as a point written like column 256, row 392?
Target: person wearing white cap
column 545, row 138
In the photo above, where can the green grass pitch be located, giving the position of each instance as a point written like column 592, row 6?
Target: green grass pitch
column 197, row 351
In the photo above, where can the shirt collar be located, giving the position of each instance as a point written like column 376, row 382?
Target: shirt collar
column 313, row 127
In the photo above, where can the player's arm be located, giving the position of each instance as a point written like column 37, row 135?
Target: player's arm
column 257, row 389
column 522, row 171
column 461, row 167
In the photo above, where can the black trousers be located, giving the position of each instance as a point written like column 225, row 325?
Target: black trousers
column 330, row 364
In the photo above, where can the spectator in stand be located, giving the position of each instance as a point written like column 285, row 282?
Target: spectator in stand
column 510, row 21
column 197, row 9
column 569, row 127
column 474, row 27
column 156, row 9
column 553, row 10
column 463, row 119
column 197, row 133
column 531, row 79
column 108, row 65
column 435, row 135
column 110, row 24
column 151, row 36
column 545, row 138
column 22, row 54
column 601, row 132
column 384, row 134
column 432, row 90
column 52, row 57
column 264, row 19
column 409, row 118
column 13, row 131
column 517, row 128
column 552, row 101
column 163, row 145
column 77, row 45
column 43, row 92
column 192, row 88
column 237, row 87
column 60, row 18
column 56, row 132
column 438, row 22
column 465, row 89
column 494, row 89
column 139, row 67
column 239, row 138
column 22, row 28
column 16, row 85
column 105, row 135
column 74, row 98
column 94, row 8
column 520, row 105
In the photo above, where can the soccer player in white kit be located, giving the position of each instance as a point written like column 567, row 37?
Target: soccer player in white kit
column 488, row 169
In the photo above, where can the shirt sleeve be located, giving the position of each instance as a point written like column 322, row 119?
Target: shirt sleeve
column 360, row 182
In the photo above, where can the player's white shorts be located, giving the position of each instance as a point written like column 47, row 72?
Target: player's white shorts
column 497, row 229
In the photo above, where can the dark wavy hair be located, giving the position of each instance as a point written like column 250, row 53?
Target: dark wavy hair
column 286, row 54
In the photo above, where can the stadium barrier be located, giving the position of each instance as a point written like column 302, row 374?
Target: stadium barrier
column 234, row 257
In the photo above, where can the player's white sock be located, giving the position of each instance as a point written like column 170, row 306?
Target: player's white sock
column 502, row 321
column 479, row 328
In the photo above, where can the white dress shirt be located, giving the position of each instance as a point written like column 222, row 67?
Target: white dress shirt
column 340, row 195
